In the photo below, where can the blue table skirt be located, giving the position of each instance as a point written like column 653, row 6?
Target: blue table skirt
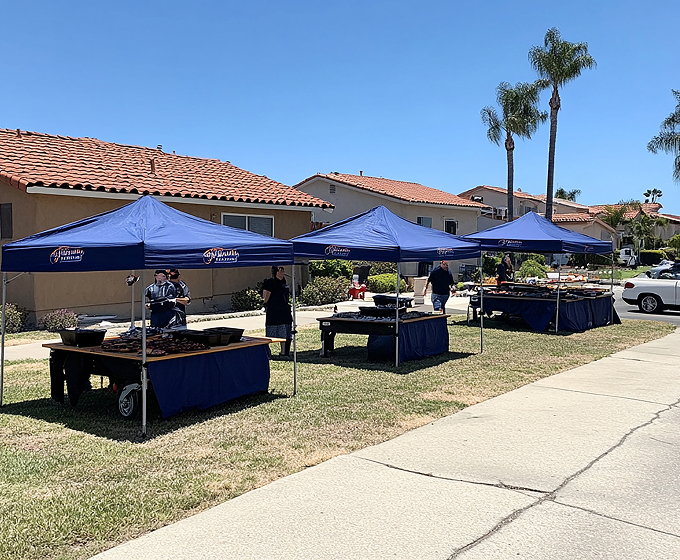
column 417, row 340
column 206, row 380
column 575, row 315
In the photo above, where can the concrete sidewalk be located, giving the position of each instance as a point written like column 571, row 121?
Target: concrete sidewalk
column 583, row 464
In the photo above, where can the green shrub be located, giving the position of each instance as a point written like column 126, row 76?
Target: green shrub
column 378, row 267
column 652, row 257
column 323, row 290
column 531, row 268
column 15, row 318
column 460, row 286
column 671, row 253
column 246, row 300
column 590, row 260
column 382, row 283
column 57, row 320
column 334, row 268
column 540, row 259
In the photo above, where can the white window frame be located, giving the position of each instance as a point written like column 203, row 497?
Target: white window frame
column 451, row 220
column 247, row 216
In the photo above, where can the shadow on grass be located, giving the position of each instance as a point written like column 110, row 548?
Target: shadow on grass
column 509, row 324
column 97, row 414
column 356, row 357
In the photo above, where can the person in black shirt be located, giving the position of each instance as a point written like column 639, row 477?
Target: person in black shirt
column 278, row 319
column 504, row 270
column 442, row 284
column 183, row 297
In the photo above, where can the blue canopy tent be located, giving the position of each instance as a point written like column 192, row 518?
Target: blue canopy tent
column 145, row 234
column 381, row 235
column 533, row 233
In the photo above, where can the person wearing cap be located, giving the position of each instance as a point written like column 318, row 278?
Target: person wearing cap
column 160, row 298
column 183, row 297
column 504, row 270
column 278, row 319
column 442, row 284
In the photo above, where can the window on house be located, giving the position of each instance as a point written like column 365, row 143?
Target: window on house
column 331, row 189
column 424, row 221
column 450, row 226
column 263, row 225
column 6, row 229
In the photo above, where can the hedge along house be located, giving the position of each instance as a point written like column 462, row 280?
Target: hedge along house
column 47, row 181
column 354, row 194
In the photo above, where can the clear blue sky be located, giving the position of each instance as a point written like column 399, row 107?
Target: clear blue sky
column 290, row 88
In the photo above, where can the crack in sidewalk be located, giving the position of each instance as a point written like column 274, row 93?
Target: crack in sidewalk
column 550, row 496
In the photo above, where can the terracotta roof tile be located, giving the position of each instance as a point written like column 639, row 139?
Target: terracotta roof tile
column 410, row 192
column 578, row 217
column 35, row 159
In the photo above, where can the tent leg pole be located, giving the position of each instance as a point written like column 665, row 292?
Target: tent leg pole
column 481, row 304
column 559, row 278
column 611, row 287
column 396, row 321
column 132, row 306
column 144, row 366
column 294, row 333
column 2, row 357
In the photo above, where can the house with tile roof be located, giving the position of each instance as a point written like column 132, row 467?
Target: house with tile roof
column 48, row 180
column 353, row 194
column 497, row 199
column 587, row 224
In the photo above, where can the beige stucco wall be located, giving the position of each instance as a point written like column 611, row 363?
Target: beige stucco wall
column 107, row 292
column 351, row 201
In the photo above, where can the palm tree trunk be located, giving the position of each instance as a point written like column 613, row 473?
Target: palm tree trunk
column 510, row 149
column 554, row 108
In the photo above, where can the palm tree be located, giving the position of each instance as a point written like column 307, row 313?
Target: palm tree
column 668, row 139
column 567, row 195
column 519, row 117
column 557, row 63
column 653, row 194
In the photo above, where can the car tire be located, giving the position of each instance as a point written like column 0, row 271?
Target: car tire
column 649, row 303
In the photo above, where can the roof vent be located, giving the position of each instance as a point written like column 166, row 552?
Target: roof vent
column 153, row 166
column 159, row 147
column 18, row 133
column 361, row 173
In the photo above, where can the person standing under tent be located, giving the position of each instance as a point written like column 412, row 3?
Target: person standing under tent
column 442, row 285
column 183, row 297
column 278, row 317
column 504, row 272
column 160, row 297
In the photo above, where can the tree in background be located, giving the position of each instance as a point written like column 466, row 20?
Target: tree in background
column 668, row 139
column 519, row 117
column 616, row 215
column 557, row 63
column 653, row 194
column 567, row 195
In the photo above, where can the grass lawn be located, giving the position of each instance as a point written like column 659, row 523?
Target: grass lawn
column 75, row 482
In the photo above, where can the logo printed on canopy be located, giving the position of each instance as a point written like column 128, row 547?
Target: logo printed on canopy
column 337, row 251
column 218, row 255
column 67, row 254
column 444, row 251
column 509, row 243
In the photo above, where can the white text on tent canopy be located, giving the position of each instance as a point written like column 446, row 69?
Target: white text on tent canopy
column 337, row 251
column 218, row 255
column 509, row 243
column 67, row 254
